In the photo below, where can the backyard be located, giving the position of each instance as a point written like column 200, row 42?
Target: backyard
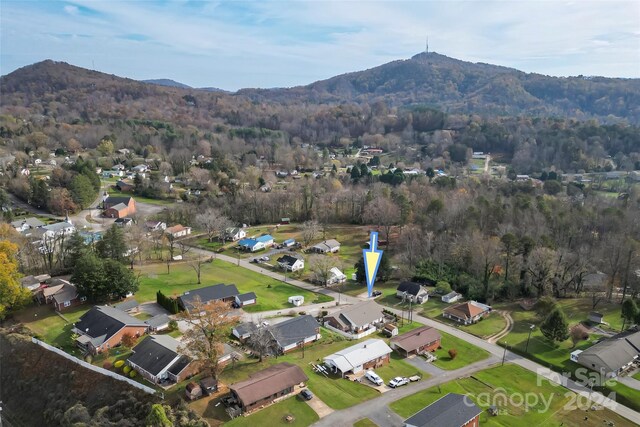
column 272, row 294
column 505, row 386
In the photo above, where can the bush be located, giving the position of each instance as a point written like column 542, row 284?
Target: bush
column 118, row 363
column 302, row 313
column 126, row 369
column 107, row 365
column 453, row 353
column 88, row 358
column 323, row 313
column 132, row 374
column 173, row 325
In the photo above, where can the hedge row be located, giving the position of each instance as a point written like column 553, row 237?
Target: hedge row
column 169, row 303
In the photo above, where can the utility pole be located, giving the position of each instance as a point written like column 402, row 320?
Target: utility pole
column 531, row 328
column 504, row 355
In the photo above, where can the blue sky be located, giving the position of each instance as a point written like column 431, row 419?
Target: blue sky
column 273, row 43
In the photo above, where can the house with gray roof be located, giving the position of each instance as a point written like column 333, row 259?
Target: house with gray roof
column 103, row 327
column 612, row 356
column 27, row 224
column 355, row 321
column 327, row 246
column 295, row 332
column 158, row 323
column 452, row 410
column 219, row 292
column 128, row 306
column 157, row 359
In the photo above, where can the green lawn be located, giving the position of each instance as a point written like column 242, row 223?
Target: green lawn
column 272, row 294
column 577, row 309
column 51, row 328
column 274, row 415
column 636, row 376
column 336, row 392
column 505, row 386
column 365, row 422
column 162, row 202
column 467, row 353
column 487, row 326
column 398, row 367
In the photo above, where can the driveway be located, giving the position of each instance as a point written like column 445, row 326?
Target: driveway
column 319, row 406
column 423, row 365
column 153, row 308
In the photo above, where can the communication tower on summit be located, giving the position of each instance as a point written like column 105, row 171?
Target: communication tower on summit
column 427, row 47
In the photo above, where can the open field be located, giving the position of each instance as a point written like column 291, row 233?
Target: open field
column 161, row 202
column 272, row 294
column 505, row 387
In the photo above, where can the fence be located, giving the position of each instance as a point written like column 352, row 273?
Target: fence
column 94, row 368
column 350, row 335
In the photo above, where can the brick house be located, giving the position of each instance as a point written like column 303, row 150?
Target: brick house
column 119, row 207
column 103, row 327
column 417, row 341
column 467, row 312
column 267, row 385
column 356, row 319
column 157, row 359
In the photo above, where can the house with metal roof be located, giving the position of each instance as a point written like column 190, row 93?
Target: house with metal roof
column 612, row 356
column 369, row 354
column 452, row 410
column 157, row 359
column 234, row 234
column 103, row 327
column 264, row 387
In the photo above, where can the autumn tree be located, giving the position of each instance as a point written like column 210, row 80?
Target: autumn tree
column 12, row 294
column 383, row 213
column 210, row 324
column 263, row 341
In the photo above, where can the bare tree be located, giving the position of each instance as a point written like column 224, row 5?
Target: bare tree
column 197, row 263
column 383, row 213
column 309, row 231
column 209, row 326
column 263, row 342
column 320, row 266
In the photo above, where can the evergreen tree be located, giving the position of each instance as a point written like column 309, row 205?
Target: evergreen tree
column 82, row 191
column 629, row 311
column 384, row 270
column 555, row 326
column 355, row 173
column 112, row 244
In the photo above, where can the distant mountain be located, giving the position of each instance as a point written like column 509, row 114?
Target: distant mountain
column 458, row 86
column 167, row 82
column 213, row 89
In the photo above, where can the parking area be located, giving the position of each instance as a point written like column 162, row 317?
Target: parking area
column 319, row 406
column 423, row 365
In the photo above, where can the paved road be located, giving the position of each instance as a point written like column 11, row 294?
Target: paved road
column 496, row 352
column 377, row 409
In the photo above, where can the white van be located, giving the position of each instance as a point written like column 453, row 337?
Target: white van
column 373, row 377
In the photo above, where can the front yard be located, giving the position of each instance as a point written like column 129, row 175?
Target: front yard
column 275, row 415
column 506, row 387
column 467, row 353
column 272, row 294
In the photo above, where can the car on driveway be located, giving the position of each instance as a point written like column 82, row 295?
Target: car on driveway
column 376, row 293
column 306, row 394
column 398, row 381
column 264, row 258
column 373, row 377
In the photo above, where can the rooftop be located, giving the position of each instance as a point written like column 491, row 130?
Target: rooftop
column 452, row 410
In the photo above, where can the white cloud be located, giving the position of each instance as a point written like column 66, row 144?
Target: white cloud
column 71, row 10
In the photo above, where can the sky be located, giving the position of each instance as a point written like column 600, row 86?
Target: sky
column 281, row 43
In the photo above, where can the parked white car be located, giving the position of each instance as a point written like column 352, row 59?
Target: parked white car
column 398, row 381
column 373, row 377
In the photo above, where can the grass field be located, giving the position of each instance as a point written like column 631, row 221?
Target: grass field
column 272, row 294
column 365, row 422
column 505, row 387
column 50, row 327
column 161, row 202
column 467, row 353
column 274, row 415
column 636, row 376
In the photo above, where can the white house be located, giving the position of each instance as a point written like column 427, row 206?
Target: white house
column 178, row 230
column 291, row 263
column 336, row 276
column 245, row 299
column 451, row 297
column 64, row 228
column 369, row 354
column 234, row 234
column 328, row 246
column 296, row 300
